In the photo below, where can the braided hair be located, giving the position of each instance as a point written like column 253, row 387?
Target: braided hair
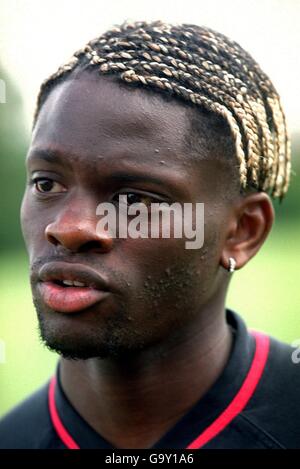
column 207, row 70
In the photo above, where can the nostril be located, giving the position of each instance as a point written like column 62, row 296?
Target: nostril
column 52, row 239
column 77, row 238
column 96, row 246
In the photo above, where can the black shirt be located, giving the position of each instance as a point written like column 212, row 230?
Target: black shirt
column 255, row 403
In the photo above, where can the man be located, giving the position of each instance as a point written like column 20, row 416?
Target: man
column 150, row 357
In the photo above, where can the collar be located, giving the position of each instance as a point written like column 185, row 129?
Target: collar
column 225, row 400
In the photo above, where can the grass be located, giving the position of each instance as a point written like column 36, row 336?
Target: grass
column 266, row 292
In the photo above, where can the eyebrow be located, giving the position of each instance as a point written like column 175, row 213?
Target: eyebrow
column 47, row 154
column 55, row 156
column 125, row 177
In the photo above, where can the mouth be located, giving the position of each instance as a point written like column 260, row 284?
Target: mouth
column 70, row 288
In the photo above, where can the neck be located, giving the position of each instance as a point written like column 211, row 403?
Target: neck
column 133, row 401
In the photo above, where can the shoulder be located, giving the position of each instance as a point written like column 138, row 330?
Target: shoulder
column 275, row 408
column 282, row 373
column 28, row 425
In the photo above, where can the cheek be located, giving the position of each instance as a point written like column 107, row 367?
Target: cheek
column 179, row 275
column 163, row 274
column 26, row 220
column 152, row 261
column 31, row 223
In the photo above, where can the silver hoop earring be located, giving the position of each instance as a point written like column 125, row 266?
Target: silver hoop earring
column 232, row 264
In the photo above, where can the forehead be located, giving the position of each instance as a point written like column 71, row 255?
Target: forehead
column 93, row 113
column 99, row 127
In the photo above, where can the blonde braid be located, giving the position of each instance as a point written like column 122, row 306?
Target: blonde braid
column 207, row 69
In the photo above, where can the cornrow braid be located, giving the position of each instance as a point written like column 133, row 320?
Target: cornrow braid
column 204, row 68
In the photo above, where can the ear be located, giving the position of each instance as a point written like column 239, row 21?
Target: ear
column 250, row 222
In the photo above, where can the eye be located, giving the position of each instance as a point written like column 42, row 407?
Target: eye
column 46, row 186
column 130, row 198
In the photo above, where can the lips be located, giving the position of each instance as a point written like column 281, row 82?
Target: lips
column 70, row 288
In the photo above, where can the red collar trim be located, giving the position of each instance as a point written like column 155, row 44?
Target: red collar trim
column 62, row 432
column 236, row 406
column 243, row 396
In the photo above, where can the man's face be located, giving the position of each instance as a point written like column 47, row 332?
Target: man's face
column 93, row 141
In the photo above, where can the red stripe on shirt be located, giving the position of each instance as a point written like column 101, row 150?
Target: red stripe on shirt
column 242, row 398
column 62, row 432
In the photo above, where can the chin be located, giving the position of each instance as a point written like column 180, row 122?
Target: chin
column 78, row 350
column 112, row 338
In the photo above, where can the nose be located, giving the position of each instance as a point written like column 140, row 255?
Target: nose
column 75, row 230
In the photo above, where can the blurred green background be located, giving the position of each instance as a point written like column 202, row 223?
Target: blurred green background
column 266, row 292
